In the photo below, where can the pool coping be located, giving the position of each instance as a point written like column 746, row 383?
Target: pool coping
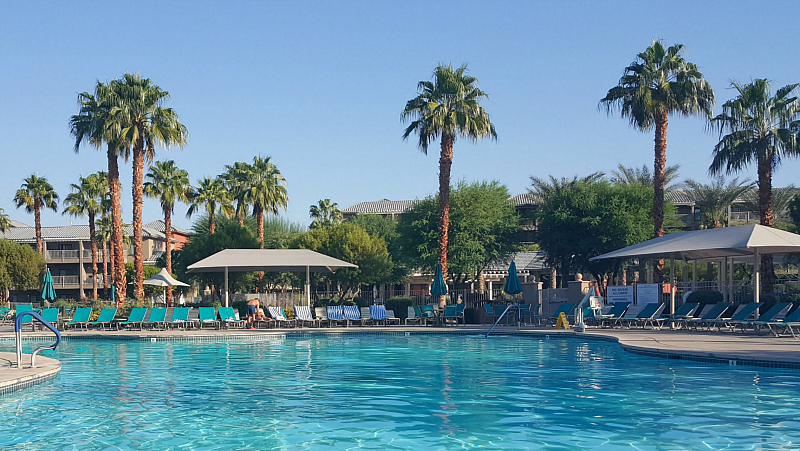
column 13, row 379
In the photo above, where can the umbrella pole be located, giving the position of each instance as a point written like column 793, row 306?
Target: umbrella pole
column 757, row 282
column 226, row 286
column 308, row 286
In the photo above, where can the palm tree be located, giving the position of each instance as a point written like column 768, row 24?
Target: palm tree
column 714, row 199
column 448, row 107
column 643, row 176
column 211, row 195
column 324, row 214
column 144, row 123
column 95, row 125
column 659, row 83
column 104, row 230
column 234, row 178
column 5, row 221
column 781, row 198
column 170, row 185
column 36, row 192
column 264, row 188
column 762, row 130
column 86, row 199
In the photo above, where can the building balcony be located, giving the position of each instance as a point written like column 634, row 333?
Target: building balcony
column 62, row 255
column 66, row 281
column 87, row 255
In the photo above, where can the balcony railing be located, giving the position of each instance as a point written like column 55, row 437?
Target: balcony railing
column 88, row 280
column 87, row 255
column 62, row 281
column 62, row 255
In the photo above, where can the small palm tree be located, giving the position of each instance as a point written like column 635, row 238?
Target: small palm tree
column 324, row 214
column 170, row 185
column 234, row 179
column 659, row 83
column 264, row 188
column 144, row 123
column 5, row 221
column 86, row 199
column 213, row 196
column 758, row 128
column 37, row 193
column 714, row 199
column 447, row 107
column 643, row 176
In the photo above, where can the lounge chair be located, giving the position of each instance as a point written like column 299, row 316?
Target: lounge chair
column 565, row 308
column 106, row 318
column 614, row 316
column 80, row 318
column 449, row 314
column 6, row 314
column 390, row 318
column 366, row 316
column 180, row 318
column 227, row 316
column 650, row 311
column 51, row 316
column 336, row 315
column 208, row 317
column 352, row 315
column 684, row 311
column 412, row 316
column 713, row 314
column 377, row 314
column 302, row 314
column 743, row 313
column 791, row 324
column 428, row 313
column 157, row 316
column 135, row 318
column 322, row 315
column 277, row 314
column 775, row 313
column 27, row 319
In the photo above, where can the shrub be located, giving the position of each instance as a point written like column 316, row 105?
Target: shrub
column 400, row 306
column 288, row 312
column 705, row 297
column 242, row 307
column 125, row 311
column 361, row 302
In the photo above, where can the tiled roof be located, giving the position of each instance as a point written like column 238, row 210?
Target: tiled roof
column 67, row 233
column 525, row 261
column 678, row 197
column 18, row 224
column 525, row 199
column 381, row 207
column 161, row 226
column 154, row 257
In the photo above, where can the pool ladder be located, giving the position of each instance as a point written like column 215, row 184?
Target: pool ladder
column 18, row 332
column 510, row 306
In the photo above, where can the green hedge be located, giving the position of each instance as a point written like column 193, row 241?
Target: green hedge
column 400, row 306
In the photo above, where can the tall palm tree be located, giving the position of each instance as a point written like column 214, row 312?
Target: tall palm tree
column 714, row 199
column 264, row 188
column 86, row 199
column 659, row 83
column 95, row 125
column 169, row 184
column 144, row 123
column 447, row 107
column 781, row 198
column 643, row 176
column 762, row 130
column 5, row 221
column 104, row 230
column 212, row 195
column 324, row 214
column 234, row 178
column 34, row 194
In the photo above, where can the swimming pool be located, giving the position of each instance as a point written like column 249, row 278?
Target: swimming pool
column 395, row 392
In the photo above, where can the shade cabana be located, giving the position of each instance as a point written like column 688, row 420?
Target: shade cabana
column 742, row 242
column 278, row 260
column 164, row 279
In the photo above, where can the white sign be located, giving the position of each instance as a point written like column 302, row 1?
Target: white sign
column 622, row 293
column 647, row 293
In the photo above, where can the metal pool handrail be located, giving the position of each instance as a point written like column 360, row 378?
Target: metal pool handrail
column 510, row 306
column 18, row 332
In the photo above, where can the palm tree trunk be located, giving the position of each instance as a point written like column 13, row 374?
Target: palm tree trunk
column 659, row 166
column 445, row 163
column 168, row 236
column 117, row 247
column 105, row 266
column 767, row 219
column 259, row 214
column 138, row 176
column 37, row 221
column 553, row 276
column 212, row 226
column 94, row 254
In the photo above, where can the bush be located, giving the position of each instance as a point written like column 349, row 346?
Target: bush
column 242, row 307
column 400, row 306
column 288, row 312
column 125, row 311
column 705, row 297
column 359, row 301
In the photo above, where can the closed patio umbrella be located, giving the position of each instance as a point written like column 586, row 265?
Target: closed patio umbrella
column 439, row 288
column 48, row 292
column 512, row 285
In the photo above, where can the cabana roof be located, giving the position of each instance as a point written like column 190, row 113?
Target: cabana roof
column 290, row 260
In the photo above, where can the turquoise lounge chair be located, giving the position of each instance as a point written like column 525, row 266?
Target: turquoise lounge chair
column 208, row 317
column 565, row 308
column 135, row 318
column 647, row 313
column 51, row 316
column 80, row 318
column 427, row 313
column 614, row 316
column 157, row 316
column 106, row 318
column 684, row 311
column 742, row 314
column 449, row 314
column 790, row 323
column 180, row 317
column 22, row 308
column 228, row 317
column 5, row 315
column 771, row 315
column 713, row 314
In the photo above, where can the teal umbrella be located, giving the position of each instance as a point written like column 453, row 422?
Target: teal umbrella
column 113, row 296
column 48, row 292
column 439, row 288
column 512, row 285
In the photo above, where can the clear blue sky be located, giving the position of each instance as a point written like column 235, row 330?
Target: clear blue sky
column 319, row 86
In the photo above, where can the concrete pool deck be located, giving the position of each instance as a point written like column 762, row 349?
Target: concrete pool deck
column 716, row 347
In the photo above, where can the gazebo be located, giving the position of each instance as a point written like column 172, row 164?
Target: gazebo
column 289, row 260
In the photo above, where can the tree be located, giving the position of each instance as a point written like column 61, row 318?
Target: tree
column 169, row 185
column 353, row 244
column 144, row 123
column 385, row 227
column 659, row 83
column 95, row 125
column 234, row 178
column 86, row 199
column 149, row 271
column 448, row 107
column 5, row 221
column 643, row 176
column 584, row 219
column 213, row 196
column 264, row 188
column 483, row 230
column 324, row 214
column 715, row 198
column 20, row 267
column 37, row 193
column 794, row 210
column 758, row 128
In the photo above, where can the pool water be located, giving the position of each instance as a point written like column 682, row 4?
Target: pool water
column 395, row 392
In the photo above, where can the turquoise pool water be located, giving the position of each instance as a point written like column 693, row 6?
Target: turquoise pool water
column 396, row 392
